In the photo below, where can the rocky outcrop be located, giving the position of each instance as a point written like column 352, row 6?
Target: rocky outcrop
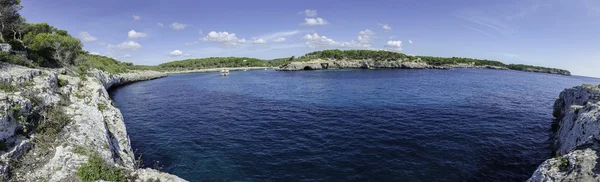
column 321, row 64
column 577, row 138
column 32, row 101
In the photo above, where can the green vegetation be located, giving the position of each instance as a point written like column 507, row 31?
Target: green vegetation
column 55, row 119
column 81, row 150
column 7, row 87
column 87, row 61
column 354, row 54
column 101, row 107
column 62, row 82
column 97, row 169
column 213, row 62
column 561, row 162
column 522, row 67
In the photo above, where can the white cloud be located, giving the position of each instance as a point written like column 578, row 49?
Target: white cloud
column 314, row 21
column 366, row 36
column 86, row 37
column 386, row 27
column 127, row 56
column 133, row 34
column 135, row 17
column 279, row 40
column 410, row 41
column 178, row 26
column 314, row 40
column 394, row 45
column 310, row 12
column 226, row 39
column 160, row 24
column 280, row 35
column 129, row 45
column 176, row 53
column 364, row 41
column 95, row 53
column 192, row 43
column 258, row 40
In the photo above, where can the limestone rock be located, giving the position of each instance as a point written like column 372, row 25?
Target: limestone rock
column 577, row 111
column 95, row 124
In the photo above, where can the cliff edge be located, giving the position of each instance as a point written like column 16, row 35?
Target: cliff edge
column 577, row 137
column 60, row 127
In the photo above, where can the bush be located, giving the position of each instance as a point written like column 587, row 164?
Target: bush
column 7, row 87
column 97, row 169
column 55, row 120
column 15, row 59
column 101, row 107
column 62, row 82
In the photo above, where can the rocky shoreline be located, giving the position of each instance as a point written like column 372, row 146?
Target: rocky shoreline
column 29, row 103
column 577, row 137
column 323, row 64
column 215, row 70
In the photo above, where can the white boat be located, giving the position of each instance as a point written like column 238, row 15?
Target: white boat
column 224, row 72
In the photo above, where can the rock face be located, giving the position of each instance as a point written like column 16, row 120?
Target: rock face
column 320, row 64
column 94, row 124
column 577, row 139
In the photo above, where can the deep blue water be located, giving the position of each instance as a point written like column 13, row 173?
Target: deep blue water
column 346, row 125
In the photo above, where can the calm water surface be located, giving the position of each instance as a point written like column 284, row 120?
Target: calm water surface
column 346, row 125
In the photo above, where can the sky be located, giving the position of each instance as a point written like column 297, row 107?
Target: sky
column 553, row 33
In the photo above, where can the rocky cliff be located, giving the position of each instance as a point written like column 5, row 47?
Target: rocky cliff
column 60, row 127
column 321, row 64
column 577, row 137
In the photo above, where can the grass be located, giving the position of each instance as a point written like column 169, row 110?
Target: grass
column 55, row 120
column 101, row 107
column 81, row 150
column 97, row 169
column 79, row 95
column 62, row 82
column 7, row 87
column 29, row 83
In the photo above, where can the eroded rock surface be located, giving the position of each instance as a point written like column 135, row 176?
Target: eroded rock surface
column 577, row 138
column 94, row 125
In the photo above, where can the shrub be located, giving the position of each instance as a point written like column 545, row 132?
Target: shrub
column 55, row 120
column 97, row 169
column 15, row 59
column 7, row 87
column 101, row 107
column 62, row 82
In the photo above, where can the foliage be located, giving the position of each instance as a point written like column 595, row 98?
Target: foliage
column 7, row 87
column 212, row 62
column 86, row 61
column 379, row 55
column 62, row 82
column 101, row 107
column 523, row 67
column 11, row 19
column 97, row 169
column 456, row 60
column 81, row 150
column 52, row 49
column 55, row 119
column 15, row 59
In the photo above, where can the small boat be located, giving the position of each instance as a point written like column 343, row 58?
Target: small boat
column 265, row 68
column 245, row 70
column 224, row 72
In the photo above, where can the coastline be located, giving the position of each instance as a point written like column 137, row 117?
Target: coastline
column 326, row 64
column 576, row 138
column 215, row 70
column 91, row 126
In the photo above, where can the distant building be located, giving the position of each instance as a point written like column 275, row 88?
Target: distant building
column 5, row 47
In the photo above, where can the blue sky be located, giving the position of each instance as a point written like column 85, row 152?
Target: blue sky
column 554, row 33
